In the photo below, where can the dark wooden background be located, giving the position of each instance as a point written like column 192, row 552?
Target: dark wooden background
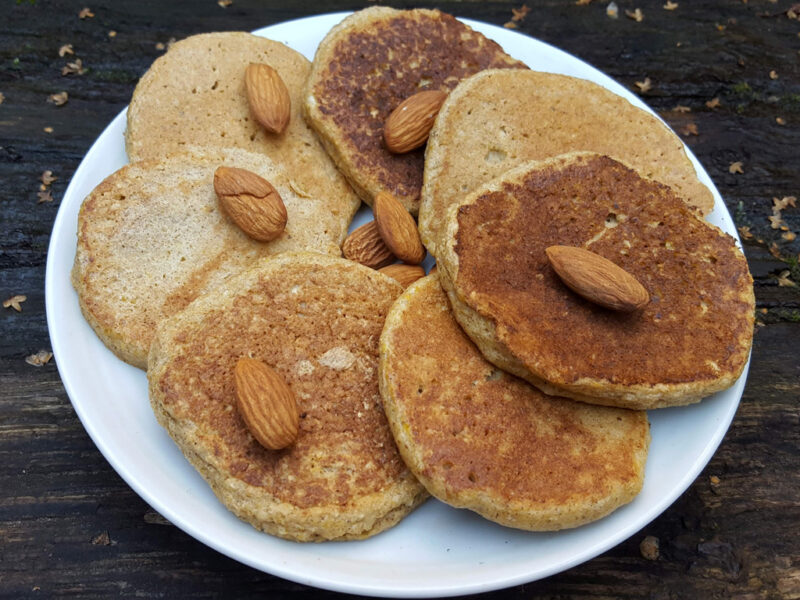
column 70, row 527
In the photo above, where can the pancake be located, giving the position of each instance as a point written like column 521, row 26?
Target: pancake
column 481, row 439
column 497, row 120
column 365, row 67
column 691, row 340
column 151, row 238
column 195, row 95
column 316, row 320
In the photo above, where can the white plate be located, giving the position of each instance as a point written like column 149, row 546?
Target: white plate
column 437, row 550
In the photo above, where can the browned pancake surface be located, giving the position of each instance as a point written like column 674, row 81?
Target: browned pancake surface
column 480, row 438
column 371, row 63
column 693, row 337
column 317, row 321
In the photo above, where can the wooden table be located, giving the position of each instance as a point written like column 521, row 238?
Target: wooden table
column 725, row 74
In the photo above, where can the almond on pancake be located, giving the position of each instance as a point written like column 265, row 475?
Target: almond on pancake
column 152, row 237
column 693, row 337
column 366, row 66
column 316, row 320
column 195, row 95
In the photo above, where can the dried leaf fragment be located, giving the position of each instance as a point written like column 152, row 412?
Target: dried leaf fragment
column 670, row 5
column 519, row 14
column 744, row 231
column 73, row 68
column 775, row 221
column 48, row 129
column 736, row 167
column 649, row 547
column 780, row 121
column 160, row 46
column 583, row 2
column 637, row 15
column 224, row 3
column 44, row 196
column 789, row 236
column 41, row 358
column 510, row 25
column 48, row 177
column 774, row 250
column 65, row 49
column 102, row 539
column 15, row 302
column 644, row 86
column 773, row 74
column 713, row 103
column 794, row 11
column 689, row 129
column 680, row 108
column 779, row 205
column 86, row 13
column 59, row 99
column 112, row 33
column 2, row 97
column 784, row 281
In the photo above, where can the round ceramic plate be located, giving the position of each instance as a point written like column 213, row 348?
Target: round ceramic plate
column 437, row 550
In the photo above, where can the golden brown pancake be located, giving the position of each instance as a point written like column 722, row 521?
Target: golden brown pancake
column 691, row 340
column 499, row 119
column 195, row 95
column 152, row 237
column 482, row 439
column 369, row 64
column 316, row 320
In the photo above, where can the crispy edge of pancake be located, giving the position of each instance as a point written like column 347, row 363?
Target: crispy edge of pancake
column 327, row 132
column 482, row 329
column 125, row 349
column 432, row 219
column 507, row 513
column 366, row 516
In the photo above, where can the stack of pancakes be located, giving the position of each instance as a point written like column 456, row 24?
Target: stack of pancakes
column 489, row 385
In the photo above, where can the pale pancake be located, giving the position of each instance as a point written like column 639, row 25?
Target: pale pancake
column 482, row 439
column 692, row 339
column 366, row 66
column 499, row 119
column 195, row 95
column 151, row 238
column 316, row 320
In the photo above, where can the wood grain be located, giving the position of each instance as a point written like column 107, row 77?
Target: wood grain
column 72, row 528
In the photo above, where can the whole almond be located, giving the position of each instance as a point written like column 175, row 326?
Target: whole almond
column 398, row 229
column 268, row 97
column 266, row 404
column 365, row 245
column 251, row 202
column 404, row 274
column 597, row 279
column 410, row 123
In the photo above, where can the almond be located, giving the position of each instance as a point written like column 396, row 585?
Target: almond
column 251, row 202
column 268, row 97
column 266, row 404
column 365, row 246
column 404, row 274
column 398, row 229
column 597, row 279
column 410, row 123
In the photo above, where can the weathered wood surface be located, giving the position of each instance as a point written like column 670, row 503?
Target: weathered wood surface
column 71, row 527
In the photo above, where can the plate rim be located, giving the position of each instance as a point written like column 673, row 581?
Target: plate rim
column 344, row 584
